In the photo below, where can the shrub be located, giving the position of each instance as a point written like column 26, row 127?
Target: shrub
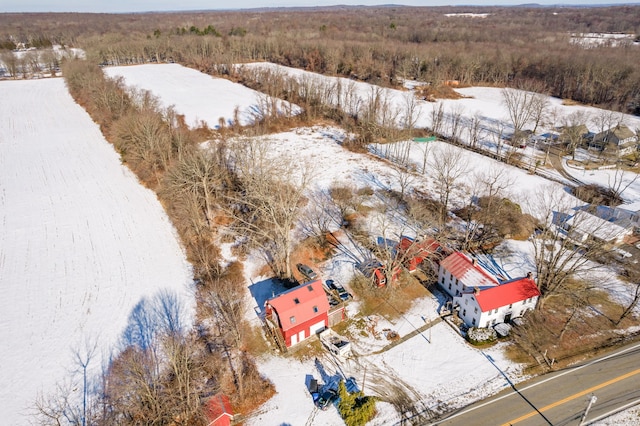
column 479, row 336
column 355, row 408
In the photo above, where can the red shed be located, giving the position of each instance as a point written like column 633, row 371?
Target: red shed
column 300, row 312
column 218, row 410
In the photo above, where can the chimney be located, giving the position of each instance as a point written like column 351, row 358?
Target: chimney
column 474, row 262
column 530, row 275
column 476, row 290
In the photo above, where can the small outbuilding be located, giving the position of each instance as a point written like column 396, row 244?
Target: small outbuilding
column 218, row 410
column 299, row 313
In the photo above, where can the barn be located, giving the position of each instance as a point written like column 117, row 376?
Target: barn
column 300, row 312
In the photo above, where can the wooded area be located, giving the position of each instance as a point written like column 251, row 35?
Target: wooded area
column 376, row 45
column 159, row 377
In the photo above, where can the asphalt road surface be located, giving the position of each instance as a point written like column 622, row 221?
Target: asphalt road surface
column 561, row 398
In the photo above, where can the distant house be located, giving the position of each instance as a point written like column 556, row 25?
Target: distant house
column 218, row 411
column 583, row 226
column 299, row 313
column 489, row 306
column 625, row 215
column 617, row 141
column 458, row 274
column 575, row 135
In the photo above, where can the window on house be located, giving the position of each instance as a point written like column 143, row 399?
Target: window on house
column 466, row 301
column 510, row 305
column 449, row 286
column 475, row 310
column 473, row 321
column 464, row 312
column 292, row 319
column 296, row 300
column 443, row 280
column 315, row 309
column 487, row 324
column 493, row 322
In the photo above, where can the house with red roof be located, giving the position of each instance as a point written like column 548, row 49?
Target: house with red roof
column 218, row 410
column 486, row 307
column 458, row 273
column 299, row 313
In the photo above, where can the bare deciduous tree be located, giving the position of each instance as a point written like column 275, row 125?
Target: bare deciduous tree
column 448, row 168
column 269, row 203
column 437, row 118
column 556, row 254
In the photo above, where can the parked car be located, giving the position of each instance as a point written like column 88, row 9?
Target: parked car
column 326, row 398
column 307, row 271
column 333, row 285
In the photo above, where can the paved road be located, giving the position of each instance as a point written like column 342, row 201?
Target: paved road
column 561, row 398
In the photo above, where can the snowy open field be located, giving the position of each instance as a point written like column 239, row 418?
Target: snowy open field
column 197, row 96
column 81, row 242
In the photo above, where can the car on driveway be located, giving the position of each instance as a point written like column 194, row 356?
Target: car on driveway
column 326, row 398
column 307, row 271
column 334, row 285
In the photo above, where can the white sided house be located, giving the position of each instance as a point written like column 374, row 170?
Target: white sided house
column 481, row 298
column 458, row 274
column 499, row 304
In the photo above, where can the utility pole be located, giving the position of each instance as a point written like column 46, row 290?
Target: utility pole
column 592, row 401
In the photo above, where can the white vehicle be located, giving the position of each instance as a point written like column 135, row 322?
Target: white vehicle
column 335, row 343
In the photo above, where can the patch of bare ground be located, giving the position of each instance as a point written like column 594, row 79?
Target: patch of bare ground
column 431, row 93
column 390, row 301
column 569, row 329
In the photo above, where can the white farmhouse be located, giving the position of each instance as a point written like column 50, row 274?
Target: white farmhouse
column 458, row 274
column 481, row 299
column 490, row 306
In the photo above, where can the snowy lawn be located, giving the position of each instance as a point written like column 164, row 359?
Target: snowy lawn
column 197, row 96
column 81, row 243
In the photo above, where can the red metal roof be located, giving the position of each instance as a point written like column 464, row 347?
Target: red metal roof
column 422, row 248
column 218, row 410
column 505, row 294
column 303, row 303
column 464, row 269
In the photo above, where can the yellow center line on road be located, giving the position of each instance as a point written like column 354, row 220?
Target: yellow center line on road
column 574, row 396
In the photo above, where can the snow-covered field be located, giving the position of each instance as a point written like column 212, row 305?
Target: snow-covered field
column 81, row 243
column 197, row 96
column 422, row 363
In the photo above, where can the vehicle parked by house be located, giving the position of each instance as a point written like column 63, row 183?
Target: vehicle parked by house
column 306, row 271
column 335, row 343
column 335, row 286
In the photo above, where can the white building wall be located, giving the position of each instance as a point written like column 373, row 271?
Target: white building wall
column 449, row 283
column 472, row 316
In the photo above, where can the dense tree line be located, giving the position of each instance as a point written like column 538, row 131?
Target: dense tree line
column 377, row 45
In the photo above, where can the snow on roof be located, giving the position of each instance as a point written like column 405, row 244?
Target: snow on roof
column 510, row 292
column 467, row 271
column 597, row 227
column 301, row 304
